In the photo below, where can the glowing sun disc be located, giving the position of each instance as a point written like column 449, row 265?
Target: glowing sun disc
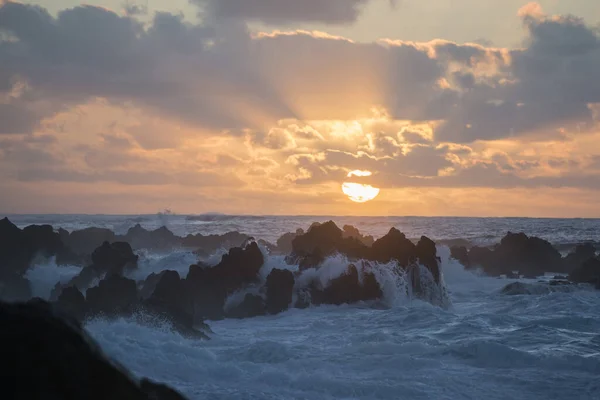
column 359, row 193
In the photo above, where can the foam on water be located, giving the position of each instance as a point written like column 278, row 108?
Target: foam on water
column 45, row 275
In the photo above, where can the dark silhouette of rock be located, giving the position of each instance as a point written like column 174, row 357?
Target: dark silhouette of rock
column 159, row 239
column 83, row 242
column 578, row 256
column 394, row 246
column 284, row 243
column 461, row 254
column 347, row 288
column 18, row 248
column 15, row 288
column 427, row 256
column 588, row 272
column 350, row 231
column 149, row 284
column 114, row 258
column 171, row 292
column 480, row 257
column 210, row 286
column 211, row 243
column 72, row 302
column 252, row 306
column 114, row 295
column 61, row 361
column 280, row 287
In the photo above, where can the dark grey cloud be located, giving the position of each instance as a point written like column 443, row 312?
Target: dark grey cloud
column 16, row 118
column 283, row 12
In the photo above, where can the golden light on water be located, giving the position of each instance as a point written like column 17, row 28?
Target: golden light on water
column 358, row 192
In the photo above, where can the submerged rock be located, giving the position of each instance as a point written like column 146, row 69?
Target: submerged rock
column 61, row 361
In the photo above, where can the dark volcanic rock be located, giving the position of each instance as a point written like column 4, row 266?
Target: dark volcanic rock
column 588, row 272
column 348, row 288
column 84, row 242
column 15, row 288
column 209, row 286
column 61, row 361
column 427, row 255
column 284, row 243
column 72, row 302
column 350, row 231
column 159, row 239
column 530, row 256
column 113, row 296
column 581, row 254
column 280, row 287
column 252, row 306
column 18, row 248
column 171, row 292
column 461, row 254
column 394, row 246
column 114, row 258
column 149, row 284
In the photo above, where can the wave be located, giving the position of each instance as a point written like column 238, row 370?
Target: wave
column 45, row 275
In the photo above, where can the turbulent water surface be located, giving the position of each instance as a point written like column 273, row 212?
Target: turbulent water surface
column 484, row 345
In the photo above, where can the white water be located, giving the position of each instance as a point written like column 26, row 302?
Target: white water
column 484, row 346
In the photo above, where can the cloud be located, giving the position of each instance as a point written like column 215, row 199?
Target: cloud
column 284, row 12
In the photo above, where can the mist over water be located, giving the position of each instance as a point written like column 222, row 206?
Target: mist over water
column 479, row 344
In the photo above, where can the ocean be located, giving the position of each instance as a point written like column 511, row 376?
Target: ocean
column 483, row 345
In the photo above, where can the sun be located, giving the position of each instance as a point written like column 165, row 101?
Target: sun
column 358, row 192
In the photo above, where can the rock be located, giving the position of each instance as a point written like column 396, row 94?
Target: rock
column 61, row 361
column 114, row 258
column 350, row 231
column 114, row 295
column 210, row 286
column 284, row 243
column 159, row 239
column 321, row 241
column 480, row 257
column 149, row 284
column 72, row 302
column 578, row 256
column 159, row 391
column 280, row 287
column 588, row 272
column 83, row 242
column 18, row 248
column 394, row 246
column 15, row 288
column 252, row 306
column 211, row 243
column 461, row 254
column 427, row 256
column 347, row 288
column 531, row 256
column 172, row 293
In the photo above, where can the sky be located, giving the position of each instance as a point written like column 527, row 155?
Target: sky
column 455, row 107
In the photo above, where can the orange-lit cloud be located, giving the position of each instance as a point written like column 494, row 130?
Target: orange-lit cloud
column 210, row 116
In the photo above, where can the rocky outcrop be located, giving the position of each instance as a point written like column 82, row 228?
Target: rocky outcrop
column 588, row 272
column 528, row 256
column 84, row 242
column 578, row 256
column 461, row 254
column 351, row 287
column 114, row 295
column 15, row 288
column 61, row 361
column 280, row 286
column 251, row 306
column 114, row 258
column 72, row 302
column 350, row 231
column 284, row 243
column 210, row 286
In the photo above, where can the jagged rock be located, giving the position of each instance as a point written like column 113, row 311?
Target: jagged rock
column 172, row 293
column 480, row 256
column 347, row 288
column 578, row 256
column 114, row 258
column 149, row 284
column 461, row 254
column 83, row 242
column 394, row 246
column 280, row 287
column 113, row 296
column 209, row 286
column 588, row 272
column 159, row 239
column 350, row 231
column 61, row 360
column 284, row 243
column 15, row 288
column 72, row 302
column 427, row 256
column 211, row 243
column 252, row 306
